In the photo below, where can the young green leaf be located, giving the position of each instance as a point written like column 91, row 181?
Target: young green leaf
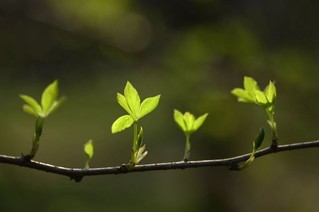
column 122, row 101
column 179, row 119
column 199, row 121
column 55, row 105
column 49, row 95
column 270, row 92
column 32, row 105
column 259, row 140
column 256, row 145
column 187, row 122
column 49, row 103
column 28, row 109
column 242, row 95
column 250, row 86
column 261, row 97
column 122, row 123
column 148, row 105
column 89, row 149
column 89, row 152
column 132, row 98
column 139, row 155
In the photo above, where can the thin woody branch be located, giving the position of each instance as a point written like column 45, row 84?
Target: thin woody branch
column 78, row 173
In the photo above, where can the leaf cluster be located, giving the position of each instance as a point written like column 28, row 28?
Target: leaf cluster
column 49, row 102
column 131, row 103
column 187, row 121
column 252, row 93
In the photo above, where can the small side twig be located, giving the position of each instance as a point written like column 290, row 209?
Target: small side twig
column 78, row 173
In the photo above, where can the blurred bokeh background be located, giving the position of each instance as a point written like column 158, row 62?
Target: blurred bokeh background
column 192, row 53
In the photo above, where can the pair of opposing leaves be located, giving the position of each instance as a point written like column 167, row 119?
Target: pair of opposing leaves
column 49, row 102
column 131, row 103
column 252, row 93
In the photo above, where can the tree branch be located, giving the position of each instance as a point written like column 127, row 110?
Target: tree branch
column 78, row 173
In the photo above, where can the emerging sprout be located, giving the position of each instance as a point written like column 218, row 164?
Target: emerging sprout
column 131, row 103
column 266, row 98
column 188, row 124
column 49, row 103
column 89, row 152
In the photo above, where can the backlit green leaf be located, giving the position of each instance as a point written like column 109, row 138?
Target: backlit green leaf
column 32, row 103
column 148, row 105
column 89, row 149
column 132, row 98
column 250, row 85
column 122, row 123
column 28, row 109
column 199, row 121
column 242, row 95
column 49, row 95
column 122, row 101
column 179, row 119
column 270, row 92
column 189, row 120
column 261, row 97
column 55, row 105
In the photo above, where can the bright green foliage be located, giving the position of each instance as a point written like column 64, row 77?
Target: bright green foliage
column 188, row 124
column 122, row 123
column 252, row 93
column 49, row 102
column 131, row 103
column 89, row 152
column 256, row 146
column 267, row 99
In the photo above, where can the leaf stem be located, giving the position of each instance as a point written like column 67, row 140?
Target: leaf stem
column 36, row 137
column 273, row 127
column 187, row 147
column 135, row 145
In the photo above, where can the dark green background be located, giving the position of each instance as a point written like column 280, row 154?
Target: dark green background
column 192, row 53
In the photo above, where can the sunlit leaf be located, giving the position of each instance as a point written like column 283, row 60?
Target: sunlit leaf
column 261, row 97
column 89, row 149
column 270, row 92
column 122, row 101
column 199, row 121
column 55, row 105
column 132, row 98
column 242, row 95
column 28, row 109
column 122, row 123
column 250, row 85
column 148, row 105
column 49, row 95
column 179, row 119
column 32, row 104
column 189, row 120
